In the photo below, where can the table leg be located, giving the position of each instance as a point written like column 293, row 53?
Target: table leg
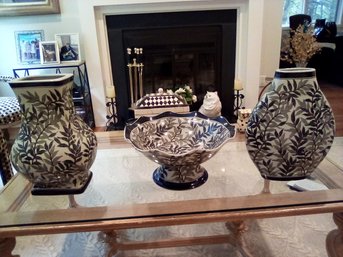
column 334, row 240
column 235, row 238
column 110, row 238
column 237, row 229
column 72, row 202
column 6, row 247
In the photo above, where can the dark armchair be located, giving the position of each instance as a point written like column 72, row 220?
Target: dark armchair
column 298, row 19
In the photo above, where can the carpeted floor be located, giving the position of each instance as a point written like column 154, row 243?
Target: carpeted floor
column 301, row 236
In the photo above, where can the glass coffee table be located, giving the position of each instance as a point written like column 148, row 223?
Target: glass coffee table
column 123, row 196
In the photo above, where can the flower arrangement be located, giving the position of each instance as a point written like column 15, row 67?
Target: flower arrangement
column 187, row 93
column 300, row 46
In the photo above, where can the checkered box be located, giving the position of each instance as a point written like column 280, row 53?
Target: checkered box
column 160, row 100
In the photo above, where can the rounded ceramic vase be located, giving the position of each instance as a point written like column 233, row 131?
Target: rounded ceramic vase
column 54, row 147
column 179, row 143
column 292, row 128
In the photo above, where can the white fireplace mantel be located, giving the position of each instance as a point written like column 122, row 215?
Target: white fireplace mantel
column 252, row 39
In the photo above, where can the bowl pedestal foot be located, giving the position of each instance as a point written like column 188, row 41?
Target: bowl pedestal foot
column 180, row 177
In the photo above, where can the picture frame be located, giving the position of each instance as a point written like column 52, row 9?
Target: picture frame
column 27, row 46
column 69, row 47
column 29, row 7
column 49, row 53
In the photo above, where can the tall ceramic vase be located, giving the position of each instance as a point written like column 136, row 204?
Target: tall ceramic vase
column 292, row 128
column 54, row 148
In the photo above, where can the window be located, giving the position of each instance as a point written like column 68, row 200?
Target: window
column 331, row 10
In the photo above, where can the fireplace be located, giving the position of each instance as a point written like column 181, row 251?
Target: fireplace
column 195, row 48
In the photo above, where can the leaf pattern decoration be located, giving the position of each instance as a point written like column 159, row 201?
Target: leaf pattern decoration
column 180, row 143
column 54, row 147
column 179, row 135
column 291, row 129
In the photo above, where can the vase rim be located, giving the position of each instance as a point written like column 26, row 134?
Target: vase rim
column 298, row 72
column 41, row 80
column 222, row 121
column 297, row 69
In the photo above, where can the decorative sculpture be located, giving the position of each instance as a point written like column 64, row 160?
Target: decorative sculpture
column 211, row 106
column 243, row 118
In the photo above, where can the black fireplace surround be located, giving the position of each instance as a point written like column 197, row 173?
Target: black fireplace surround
column 196, row 48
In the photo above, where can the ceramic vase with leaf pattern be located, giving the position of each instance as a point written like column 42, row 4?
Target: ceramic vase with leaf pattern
column 292, row 128
column 54, row 147
column 180, row 143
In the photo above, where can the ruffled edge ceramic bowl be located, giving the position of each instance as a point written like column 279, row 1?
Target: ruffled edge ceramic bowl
column 179, row 143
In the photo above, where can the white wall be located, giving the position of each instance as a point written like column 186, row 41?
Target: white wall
column 271, row 40
column 66, row 22
column 258, row 42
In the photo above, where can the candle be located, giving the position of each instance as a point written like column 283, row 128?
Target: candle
column 238, row 85
column 110, row 92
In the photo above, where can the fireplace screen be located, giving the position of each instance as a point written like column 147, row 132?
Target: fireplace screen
column 176, row 69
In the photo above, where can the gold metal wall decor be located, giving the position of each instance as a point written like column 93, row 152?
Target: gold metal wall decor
column 29, row 7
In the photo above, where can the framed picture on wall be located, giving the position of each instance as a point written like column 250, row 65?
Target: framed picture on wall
column 69, row 47
column 27, row 45
column 49, row 52
column 28, row 7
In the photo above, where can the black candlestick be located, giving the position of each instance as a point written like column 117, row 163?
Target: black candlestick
column 112, row 123
column 238, row 101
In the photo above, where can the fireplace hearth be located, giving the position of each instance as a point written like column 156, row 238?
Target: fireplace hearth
column 194, row 48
